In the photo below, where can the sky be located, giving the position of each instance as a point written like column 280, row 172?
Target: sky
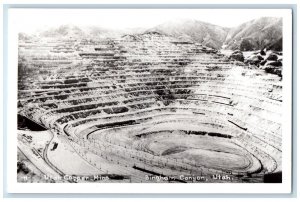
column 30, row 20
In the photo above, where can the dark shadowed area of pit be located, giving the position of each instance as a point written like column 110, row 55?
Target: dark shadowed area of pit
column 26, row 124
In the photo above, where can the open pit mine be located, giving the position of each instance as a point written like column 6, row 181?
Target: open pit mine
column 144, row 108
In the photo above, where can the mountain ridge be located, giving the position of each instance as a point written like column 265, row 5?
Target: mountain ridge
column 260, row 33
column 194, row 30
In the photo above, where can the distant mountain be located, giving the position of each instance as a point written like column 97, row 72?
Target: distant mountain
column 265, row 32
column 68, row 31
column 193, row 30
column 23, row 36
column 256, row 34
column 63, row 31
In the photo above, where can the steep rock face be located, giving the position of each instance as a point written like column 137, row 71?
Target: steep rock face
column 207, row 34
column 256, row 34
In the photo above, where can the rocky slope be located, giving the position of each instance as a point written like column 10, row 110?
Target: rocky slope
column 256, row 34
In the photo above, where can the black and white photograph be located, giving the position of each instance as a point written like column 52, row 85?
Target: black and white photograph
column 114, row 96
